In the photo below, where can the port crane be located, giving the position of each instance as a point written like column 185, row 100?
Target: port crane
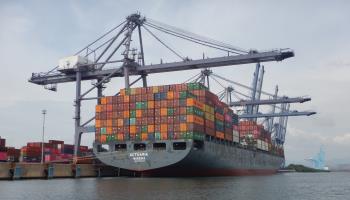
column 252, row 102
column 104, row 66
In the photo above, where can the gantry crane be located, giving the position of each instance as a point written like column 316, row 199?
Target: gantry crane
column 252, row 101
column 102, row 67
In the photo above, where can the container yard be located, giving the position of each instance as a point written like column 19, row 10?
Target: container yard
column 25, row 163
column 54, row 150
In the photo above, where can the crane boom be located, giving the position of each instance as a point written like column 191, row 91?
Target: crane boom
column 271, row 101
column 136, row 69
column 283, row 114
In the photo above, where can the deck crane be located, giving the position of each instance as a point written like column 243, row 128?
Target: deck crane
column 104, row 66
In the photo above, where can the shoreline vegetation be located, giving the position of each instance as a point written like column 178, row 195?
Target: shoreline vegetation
column 301, row 168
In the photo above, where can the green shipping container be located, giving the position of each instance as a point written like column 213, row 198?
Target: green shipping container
column 138, row 136
column 132, row 113
column 170, row 111
column 194, row 111
column 138, row 105
column 196, row 86
column 132, row 121
column 157, row 135
column 110, row 138
column 144, row 104
column 186, row 94
column 144, row 129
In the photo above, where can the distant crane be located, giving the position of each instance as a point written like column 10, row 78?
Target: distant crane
column 102, row 68
column 318, row 161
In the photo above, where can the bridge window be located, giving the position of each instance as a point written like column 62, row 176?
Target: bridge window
column 139, row 147
column 159, row 146
column 120, row 147
column 179, row 145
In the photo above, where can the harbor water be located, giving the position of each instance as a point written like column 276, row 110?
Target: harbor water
column 287, row 186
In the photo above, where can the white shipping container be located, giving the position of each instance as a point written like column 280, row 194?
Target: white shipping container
column 235, row 133
column 235, row 138
column 71, row 62
column 259, row 144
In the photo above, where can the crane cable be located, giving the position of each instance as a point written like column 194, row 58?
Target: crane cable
column 163, row 43
column 193, row 36
column 98, row 39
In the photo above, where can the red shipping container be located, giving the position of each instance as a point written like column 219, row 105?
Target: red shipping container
column 3, row 156
column 2, row 142
column 56, row 142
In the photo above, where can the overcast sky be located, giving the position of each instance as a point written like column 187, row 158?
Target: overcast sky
column 35, row 34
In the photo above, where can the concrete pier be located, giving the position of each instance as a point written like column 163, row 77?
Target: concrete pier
column 5, row 171
column 29, row 171
column 14, row 171
column 85, row 170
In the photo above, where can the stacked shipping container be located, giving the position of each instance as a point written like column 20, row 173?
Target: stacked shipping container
column 54, row 150
column 8, row 153
column 256, row 132
column 181, row 111
column 2, row 142
column 3, row 150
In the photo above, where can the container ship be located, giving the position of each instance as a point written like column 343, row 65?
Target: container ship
column 180, row 130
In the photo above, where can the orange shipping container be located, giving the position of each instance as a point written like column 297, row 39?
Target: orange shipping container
column 109, row 130
column 163, row 111
column 98, row 108
column 170, row 95
column 163, row 128
column 132, row 129
column 126, row 99
column 109, row 108
column 98, row 123
column 109, row 123
column 150, row 104
column 122, row 92
column 120, row 136
column 120, row 122
column 164, row 135
column 144, row 136
column 183, row 127
column 103, row 138
column 103, row 100
column 138, row 113
column 150, row 128
column 126, row 114
column 109, row 100
column 195, row 119
column 195, row 103
column 220, row 135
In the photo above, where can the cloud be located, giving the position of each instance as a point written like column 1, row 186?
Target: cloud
column 301, row 144
column 342, row 139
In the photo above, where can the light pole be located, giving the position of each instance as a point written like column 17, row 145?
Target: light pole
column 42, row 139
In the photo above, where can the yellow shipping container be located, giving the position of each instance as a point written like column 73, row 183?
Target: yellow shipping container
column 209, row 109
column 155, row 89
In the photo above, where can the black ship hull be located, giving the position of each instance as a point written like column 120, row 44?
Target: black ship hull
column 189, row 158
